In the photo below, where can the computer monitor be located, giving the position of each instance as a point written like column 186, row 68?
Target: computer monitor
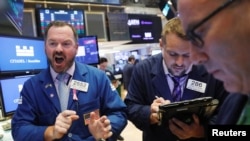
column 88, row 50
column 21, row 55
column 168, row 8
column 144, row 28
column 74, row 17
column 11, row 13
column 10, row 89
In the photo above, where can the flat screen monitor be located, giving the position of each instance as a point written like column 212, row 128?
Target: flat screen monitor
column 168, row 8
column 74, row 17
column 13, row 11
column 165, row 9
column 117, row 26
column 113, row 2
column 144, row 28
column 10, row 89
column 21, row 55
column 88, row 51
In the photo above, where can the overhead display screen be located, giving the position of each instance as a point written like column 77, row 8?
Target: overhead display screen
column 73, row 17
column 88, row 51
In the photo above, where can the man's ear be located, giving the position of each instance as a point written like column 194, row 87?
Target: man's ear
column 161, row 43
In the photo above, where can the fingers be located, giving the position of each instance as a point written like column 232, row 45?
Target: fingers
column 73, row 117
column 196, row 119
column 154, row 108
column 176, row 128
column 92, row 118
column 166, row 102
column 107, row 135
column 154, row 118
column 178, row 123
column 184, row 131
column 106, row 127
column 100, row 127
column 159, row 100
column 67, row 116
column 64, row 121
column 156, row 103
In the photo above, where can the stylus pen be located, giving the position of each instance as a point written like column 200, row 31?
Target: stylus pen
column 156, row 97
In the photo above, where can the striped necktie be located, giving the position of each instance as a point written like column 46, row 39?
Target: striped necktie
column 178, row 83
column 177, row 89
column 63, row 90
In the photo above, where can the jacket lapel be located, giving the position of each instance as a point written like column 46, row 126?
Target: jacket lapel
column 50, row 89
column 160, row 83
column 159, row 80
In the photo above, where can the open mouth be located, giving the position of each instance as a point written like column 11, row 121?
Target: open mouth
column 59, row 60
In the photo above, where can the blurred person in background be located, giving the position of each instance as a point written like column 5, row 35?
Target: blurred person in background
column 103, row 64
column 127, row 71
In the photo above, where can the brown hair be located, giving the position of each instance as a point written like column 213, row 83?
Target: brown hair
column 173, row 26
column 60, row 24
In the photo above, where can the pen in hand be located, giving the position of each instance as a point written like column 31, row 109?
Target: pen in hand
column 163, row 102
column 159, row 99
column 156, row 117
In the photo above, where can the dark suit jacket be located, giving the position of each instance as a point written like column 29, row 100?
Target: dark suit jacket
column 149, row 80
column 231, row 109
column 127, row 73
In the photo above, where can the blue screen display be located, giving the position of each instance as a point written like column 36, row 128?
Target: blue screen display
column 10, row 93
column 20, row 54
column 13, row 11
column 88, row 50
column 73, row 17
column 165, row 10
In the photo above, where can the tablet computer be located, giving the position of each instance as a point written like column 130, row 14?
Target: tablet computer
column 203, row 107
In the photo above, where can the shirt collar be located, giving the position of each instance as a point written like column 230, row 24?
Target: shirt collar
column 69, row 71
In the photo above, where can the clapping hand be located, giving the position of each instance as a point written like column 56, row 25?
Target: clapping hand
column 100, row 128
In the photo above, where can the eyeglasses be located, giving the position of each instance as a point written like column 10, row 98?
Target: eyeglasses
column 193, row 37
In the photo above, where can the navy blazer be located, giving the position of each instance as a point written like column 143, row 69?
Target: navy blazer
column 149, row 80
column 40, row 106
column 127, row 73
column 231, row 109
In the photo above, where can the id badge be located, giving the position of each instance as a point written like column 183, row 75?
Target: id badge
column 196, row 85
